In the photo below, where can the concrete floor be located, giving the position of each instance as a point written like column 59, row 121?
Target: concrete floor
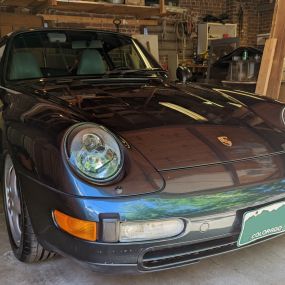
column 261, row 264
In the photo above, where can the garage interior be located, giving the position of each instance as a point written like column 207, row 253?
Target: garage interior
column 231, row 43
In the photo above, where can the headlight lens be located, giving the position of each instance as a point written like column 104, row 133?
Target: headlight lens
column 94, row 152
column 150, row 230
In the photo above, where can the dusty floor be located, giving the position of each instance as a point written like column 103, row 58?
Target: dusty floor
column 261, row 264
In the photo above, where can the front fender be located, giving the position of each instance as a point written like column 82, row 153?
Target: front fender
column 33, row 129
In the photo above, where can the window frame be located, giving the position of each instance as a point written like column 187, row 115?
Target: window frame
column 4, row 45
column 9, row 39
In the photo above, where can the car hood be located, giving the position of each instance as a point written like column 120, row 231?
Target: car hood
column 176, row 128
column 178, row 140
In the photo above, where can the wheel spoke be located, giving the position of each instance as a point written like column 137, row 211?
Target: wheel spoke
column 17, row 207
column 13, row 201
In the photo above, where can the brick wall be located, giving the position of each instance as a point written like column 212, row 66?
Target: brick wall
column 248, row 24
column 265, row 18
column 254, row 22
column 200, row 8
column 265, row 22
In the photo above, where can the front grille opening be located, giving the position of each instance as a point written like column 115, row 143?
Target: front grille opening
column 186, row 254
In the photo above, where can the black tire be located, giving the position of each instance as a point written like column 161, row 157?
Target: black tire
column 27, row 249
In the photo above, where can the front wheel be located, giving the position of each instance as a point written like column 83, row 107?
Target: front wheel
column 23, row 240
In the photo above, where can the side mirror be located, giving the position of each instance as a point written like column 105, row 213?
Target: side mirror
column 183, row 74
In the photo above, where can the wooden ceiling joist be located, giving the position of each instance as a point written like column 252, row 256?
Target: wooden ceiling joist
column 106, row 8
column 89, row 6
column 24, row 3
column 19, row 20
column 95, row 20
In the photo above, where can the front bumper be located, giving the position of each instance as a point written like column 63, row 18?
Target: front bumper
column 214, row 229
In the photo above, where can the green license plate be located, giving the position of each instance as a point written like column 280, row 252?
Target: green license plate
column 261, row 223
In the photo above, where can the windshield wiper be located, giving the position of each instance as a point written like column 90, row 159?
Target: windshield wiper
column 118, row 72
column 123, row 71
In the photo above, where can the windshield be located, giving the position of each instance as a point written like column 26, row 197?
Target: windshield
column 44, row 54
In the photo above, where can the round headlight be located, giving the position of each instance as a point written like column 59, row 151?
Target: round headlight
column 93, row 152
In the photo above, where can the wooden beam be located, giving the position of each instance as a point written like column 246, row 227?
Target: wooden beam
column 20, row 20
column 266, row 67
column 274, row 71
column 52, row 3
column 162, row 7
column 33, row 5
column 106, row 8
column 95, row 7
column 20, row 3
column 95, row 21
column 4, row 30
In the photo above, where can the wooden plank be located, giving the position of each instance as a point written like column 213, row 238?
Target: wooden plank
column 277, row 32
column 162, row 6
column 115, row 9
column 273, row 25
column 95, row 21
column 266, row 66
column 31, row 4
column 95, row 7
column 20, row 20
column 107, row 8
column 18, row 3
column 4, row 30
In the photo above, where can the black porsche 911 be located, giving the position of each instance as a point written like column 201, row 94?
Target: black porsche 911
column 107, row 162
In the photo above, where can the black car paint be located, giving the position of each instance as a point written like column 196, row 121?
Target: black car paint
column 35, row 115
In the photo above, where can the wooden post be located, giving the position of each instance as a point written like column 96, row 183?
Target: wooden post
column 52, row 2
column 162, row 7
column 270, row 75
column 266, row 67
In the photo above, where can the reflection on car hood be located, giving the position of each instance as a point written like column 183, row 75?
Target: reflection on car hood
column 175, row 128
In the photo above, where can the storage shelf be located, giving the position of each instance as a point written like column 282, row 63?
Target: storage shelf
column 94, row 7
column 106, row 8
column 22, row 3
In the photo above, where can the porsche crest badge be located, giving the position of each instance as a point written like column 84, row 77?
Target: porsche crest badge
column 225, row 141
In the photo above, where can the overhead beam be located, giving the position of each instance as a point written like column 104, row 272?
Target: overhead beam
column 162, row 7
column 272, row 72
column 16, row 3
column 12, row 22
column 95, row 21
column 104, row 8
column 95, row 7
column 20, row 20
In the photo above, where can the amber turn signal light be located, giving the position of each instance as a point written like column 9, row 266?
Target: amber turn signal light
column 82, row 229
